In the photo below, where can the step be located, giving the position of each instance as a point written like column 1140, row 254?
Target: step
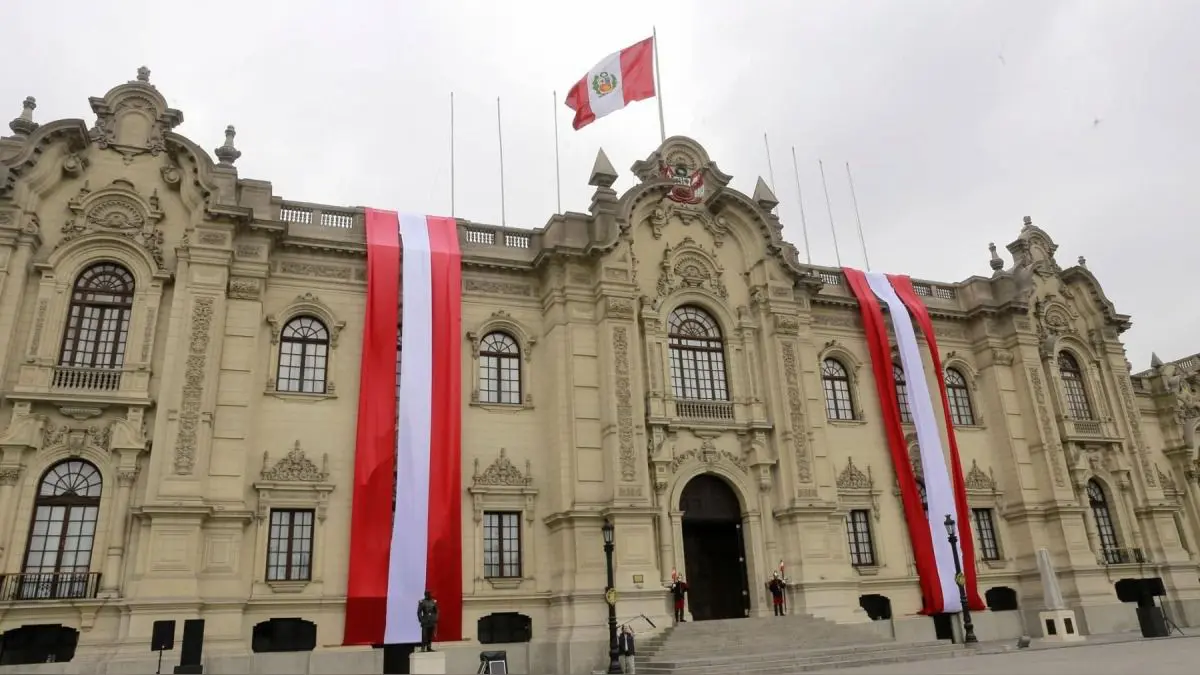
column 758, row 642
column 803, row 653
column 800, row 661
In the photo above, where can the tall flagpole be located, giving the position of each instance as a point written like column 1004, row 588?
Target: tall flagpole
column 861, row 239
column 500, row 137
column 770, row 166
column 452, row 155
column 836, row 252
column 557, row 171
column 662, row 125
column 800, row 198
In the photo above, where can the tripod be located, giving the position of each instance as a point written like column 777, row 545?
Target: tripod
column 1171, row 625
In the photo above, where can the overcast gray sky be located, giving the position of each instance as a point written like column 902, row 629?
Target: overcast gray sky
column 958, row 116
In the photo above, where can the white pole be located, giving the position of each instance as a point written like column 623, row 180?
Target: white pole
column 557, row 170
column 500, row 137
column 861, row 239
column 836, row 252
column 800, row 198
column 662, row 125
column 770, row 165
column 452, row 154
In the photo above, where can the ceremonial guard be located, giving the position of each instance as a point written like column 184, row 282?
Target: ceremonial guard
column 777, row 589
column 679, row 589
column 427, row 616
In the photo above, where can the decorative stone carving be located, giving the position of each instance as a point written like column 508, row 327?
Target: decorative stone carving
column 853, row 478
column 295, row 467
column 315, row 271
column 472, row 285
column 620, row 308
column 707, row 453
column 624, row 393
column 10, row 475
column 1135, row 425
column 978, row 480
column 248, row 251
column 689, row 265
column 836, row 320
column 195, row 365
column 117, row 210
column 501, row 472
column 798, row 431
column 244, row 288
column 1184, row 387
column 1002, row 357
column 39, row 323
column 716, row 226
column 786, row 324
column 76, row 439
column 133, row 119
column 212, row 238
column 127, row 477
column 1053, row 451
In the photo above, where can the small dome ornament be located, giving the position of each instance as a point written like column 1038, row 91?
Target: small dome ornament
column 143, row 74
column 24, row 125
column 997, row 263
column 228, row 154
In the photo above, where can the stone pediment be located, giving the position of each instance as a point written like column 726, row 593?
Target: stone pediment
column 117, row 210
column 502, row 473
column 133, row 118
column 853, row 478
column 295, row 467
column 688, row 265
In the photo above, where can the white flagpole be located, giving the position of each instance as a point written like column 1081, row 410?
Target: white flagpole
column 836, row 252
column 662, row 126
column 500, row 138
column 452, row 155
column 557, row 170
column 800, row 198
column 770, row 165
column 862, row 240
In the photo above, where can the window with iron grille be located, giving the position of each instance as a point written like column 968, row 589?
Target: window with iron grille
column 1078, row 405
column 959, row 396
column 303, row 356
column 499, row 369
column 1105, row 529
column 59, row 555
column 858, row 531
column 985, row 533
column 97, row 327
column 290, row 545
column 697, row 355
column 839, row 403
column 902, row 394
column 502, row 545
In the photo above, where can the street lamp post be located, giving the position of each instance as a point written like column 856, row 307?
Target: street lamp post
column 968, row 627
column 610, row 597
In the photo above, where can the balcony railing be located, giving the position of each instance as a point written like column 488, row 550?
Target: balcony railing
column 1086, row 428
column 71, row 378
column 1124, row 556
column 49, row 586
column 705, row 410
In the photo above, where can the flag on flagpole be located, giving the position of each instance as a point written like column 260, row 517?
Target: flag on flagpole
column 944, row 486
column 616, row 81
column 406, row 519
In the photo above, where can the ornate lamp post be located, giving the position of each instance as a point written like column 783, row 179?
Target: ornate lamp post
column 968, row 627
column 610, row 597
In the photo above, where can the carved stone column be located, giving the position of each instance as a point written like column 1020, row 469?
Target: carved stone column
column 14, row 265
column 1135, row 529
column 9, row 476
column 765, row 508
column 665, row 540
column 110, row 581
column 1089, row 522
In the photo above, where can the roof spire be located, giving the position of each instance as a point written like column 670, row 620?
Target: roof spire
column 996, row 262
column 228, row 154
column 24, row 125
column 143, row 74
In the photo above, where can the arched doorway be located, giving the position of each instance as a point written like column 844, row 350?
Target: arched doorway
column 714, row 549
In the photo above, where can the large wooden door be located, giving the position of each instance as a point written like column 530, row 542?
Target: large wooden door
column 714, row 551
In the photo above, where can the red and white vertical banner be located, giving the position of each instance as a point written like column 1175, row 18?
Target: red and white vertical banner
column 406, row 523
column 945, row 489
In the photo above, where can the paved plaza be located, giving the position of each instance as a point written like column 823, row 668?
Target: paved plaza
column 1164, row 656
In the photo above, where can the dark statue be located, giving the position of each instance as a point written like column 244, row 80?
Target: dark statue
column 427, row 616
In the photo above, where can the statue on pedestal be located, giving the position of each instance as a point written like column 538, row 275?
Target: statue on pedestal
column 427, row 616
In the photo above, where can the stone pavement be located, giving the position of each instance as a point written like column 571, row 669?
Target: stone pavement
column 1162, row 656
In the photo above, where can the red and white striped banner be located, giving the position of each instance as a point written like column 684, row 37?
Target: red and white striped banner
column 406, row 524
column 945, row 488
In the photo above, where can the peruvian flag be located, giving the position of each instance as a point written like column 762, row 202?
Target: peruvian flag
column 618, row 80
column 406, row 524
column 945, row 490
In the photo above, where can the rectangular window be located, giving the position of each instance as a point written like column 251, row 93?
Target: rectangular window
column 858, row 531
column 502, row 545
column 985, row 534
column 290, row 545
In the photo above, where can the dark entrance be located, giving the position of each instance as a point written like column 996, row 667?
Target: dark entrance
column 714, row 550
column 38, row 643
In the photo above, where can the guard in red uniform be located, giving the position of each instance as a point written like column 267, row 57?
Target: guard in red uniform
column 679, row 589
column 777, row 588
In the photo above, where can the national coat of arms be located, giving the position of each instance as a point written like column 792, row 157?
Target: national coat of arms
column 689, row 184
column 604, row 83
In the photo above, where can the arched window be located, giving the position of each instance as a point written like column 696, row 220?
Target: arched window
column 59, row 555
column 303, row 356
column 98, row 319
column 499, row 369
column 961, row 412
column 697, row 356
column 839, row 403
column 902, row 394
column 1104, row 523
column 1078, row 406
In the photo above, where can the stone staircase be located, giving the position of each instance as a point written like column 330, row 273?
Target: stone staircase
column 776, row 646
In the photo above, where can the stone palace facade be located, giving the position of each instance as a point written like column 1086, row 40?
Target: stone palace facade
column 179, row 354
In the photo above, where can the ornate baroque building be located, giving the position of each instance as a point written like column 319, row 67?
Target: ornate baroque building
column 179, row 362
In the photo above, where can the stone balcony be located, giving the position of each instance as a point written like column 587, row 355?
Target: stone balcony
column 88, row 386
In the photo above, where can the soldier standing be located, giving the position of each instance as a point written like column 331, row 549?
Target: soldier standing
column 427, row 616
column 679, row 589
column 777, row 588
